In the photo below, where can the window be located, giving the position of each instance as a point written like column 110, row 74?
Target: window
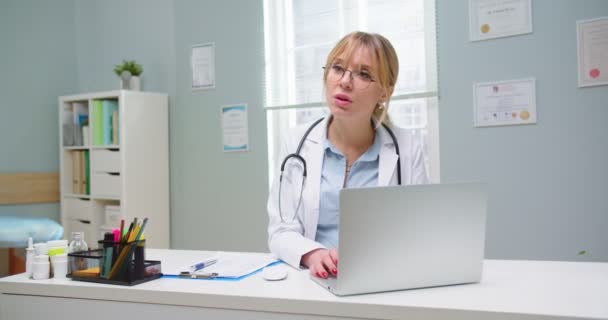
column 298, row 37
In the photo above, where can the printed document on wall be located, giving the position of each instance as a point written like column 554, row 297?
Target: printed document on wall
column 490, row 19
column 235, row 128
column 592, row 38
column 505, row 102
column 202, row 62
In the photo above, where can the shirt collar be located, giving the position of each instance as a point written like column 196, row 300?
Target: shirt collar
column 370, row 155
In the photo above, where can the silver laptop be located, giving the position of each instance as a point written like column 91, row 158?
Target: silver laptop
column 405, row 237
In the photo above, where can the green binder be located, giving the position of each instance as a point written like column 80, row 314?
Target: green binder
column 97, row 123
column 87, row 174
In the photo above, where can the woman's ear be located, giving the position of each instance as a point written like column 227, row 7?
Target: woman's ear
column 387, row 93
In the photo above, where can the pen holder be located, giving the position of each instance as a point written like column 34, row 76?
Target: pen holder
column 119, row 263
column 84, row 263
column 122, row 261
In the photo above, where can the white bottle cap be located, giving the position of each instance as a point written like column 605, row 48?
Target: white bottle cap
column 41, row 248
column 57, row 243
column 57, row 247
column 30, row 243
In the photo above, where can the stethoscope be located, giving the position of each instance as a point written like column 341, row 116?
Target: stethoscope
column 298, row 157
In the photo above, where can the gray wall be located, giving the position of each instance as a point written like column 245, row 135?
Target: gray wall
column 37, row 64
column 548, row 182
column 109, row 31
column 218, row 199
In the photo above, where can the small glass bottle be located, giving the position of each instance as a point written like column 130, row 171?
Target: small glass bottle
column 77, row 244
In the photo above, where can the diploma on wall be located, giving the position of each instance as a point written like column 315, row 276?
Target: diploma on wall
column 490, row 19
column 202, row 64
column 504, row 102
column 235, row 129
column 592, row 38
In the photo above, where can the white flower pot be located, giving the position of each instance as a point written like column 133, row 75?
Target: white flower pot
column 130, row 83
column 135, row 84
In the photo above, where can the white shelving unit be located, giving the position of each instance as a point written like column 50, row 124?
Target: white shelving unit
column 131, row 173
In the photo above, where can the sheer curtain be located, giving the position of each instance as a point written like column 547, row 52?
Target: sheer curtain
column 300, row 33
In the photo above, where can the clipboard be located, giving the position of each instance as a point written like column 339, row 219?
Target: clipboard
column 215, row 276
column 230, row 266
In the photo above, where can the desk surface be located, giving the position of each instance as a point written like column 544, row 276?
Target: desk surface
column 509, row 288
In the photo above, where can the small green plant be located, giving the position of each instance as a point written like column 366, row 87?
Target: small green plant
column 131, row 66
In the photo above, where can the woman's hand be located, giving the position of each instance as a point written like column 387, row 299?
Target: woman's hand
column 322, row 262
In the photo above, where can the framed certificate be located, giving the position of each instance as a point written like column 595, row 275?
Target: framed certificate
column 235, row 130
column 592, row 39
column 202, row 63
column 504, row 102
column 490, row 19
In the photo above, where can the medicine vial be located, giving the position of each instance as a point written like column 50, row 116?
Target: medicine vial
column 40, row 267
column 29, row 257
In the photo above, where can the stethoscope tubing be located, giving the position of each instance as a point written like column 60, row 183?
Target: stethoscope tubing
column 297, row 156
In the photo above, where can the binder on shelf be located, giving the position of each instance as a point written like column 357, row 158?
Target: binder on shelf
column 83, row 181
column 79, row 112
column 68, row 136
column 108, row 109
column 115, row 127
column 80, row 116
column 87, row 172
column 97, row 122
column 75, row 172
column 86, row 138
column 83, row 120
column 77, row 135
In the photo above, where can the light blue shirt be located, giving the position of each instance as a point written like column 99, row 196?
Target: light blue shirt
column 363, row 173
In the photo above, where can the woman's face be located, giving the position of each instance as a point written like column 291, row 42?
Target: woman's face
column 354, row 95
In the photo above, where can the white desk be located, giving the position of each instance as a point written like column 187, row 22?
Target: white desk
column 509, row 290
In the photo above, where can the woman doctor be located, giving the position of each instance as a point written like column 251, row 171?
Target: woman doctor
column 353, row 147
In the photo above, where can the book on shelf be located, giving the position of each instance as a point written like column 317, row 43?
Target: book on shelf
column 83, row 181
column 68, row 135
column 80, row 117
column 115, row 127
column 86, row 138
column 97, row 122
column 75, row 172
column 87, row 174
column 77, row 133
column 79, row 111
column 108, row 109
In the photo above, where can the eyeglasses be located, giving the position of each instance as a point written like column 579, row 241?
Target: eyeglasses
column 361, row 78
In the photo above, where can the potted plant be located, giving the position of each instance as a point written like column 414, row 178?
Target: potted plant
column 129, row 72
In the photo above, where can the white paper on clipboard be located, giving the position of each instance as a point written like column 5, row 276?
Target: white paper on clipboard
column 228, row 265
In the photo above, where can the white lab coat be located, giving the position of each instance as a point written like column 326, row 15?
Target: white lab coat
column 292, row 238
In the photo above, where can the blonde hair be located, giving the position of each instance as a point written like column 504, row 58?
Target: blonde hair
column 384, row 58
